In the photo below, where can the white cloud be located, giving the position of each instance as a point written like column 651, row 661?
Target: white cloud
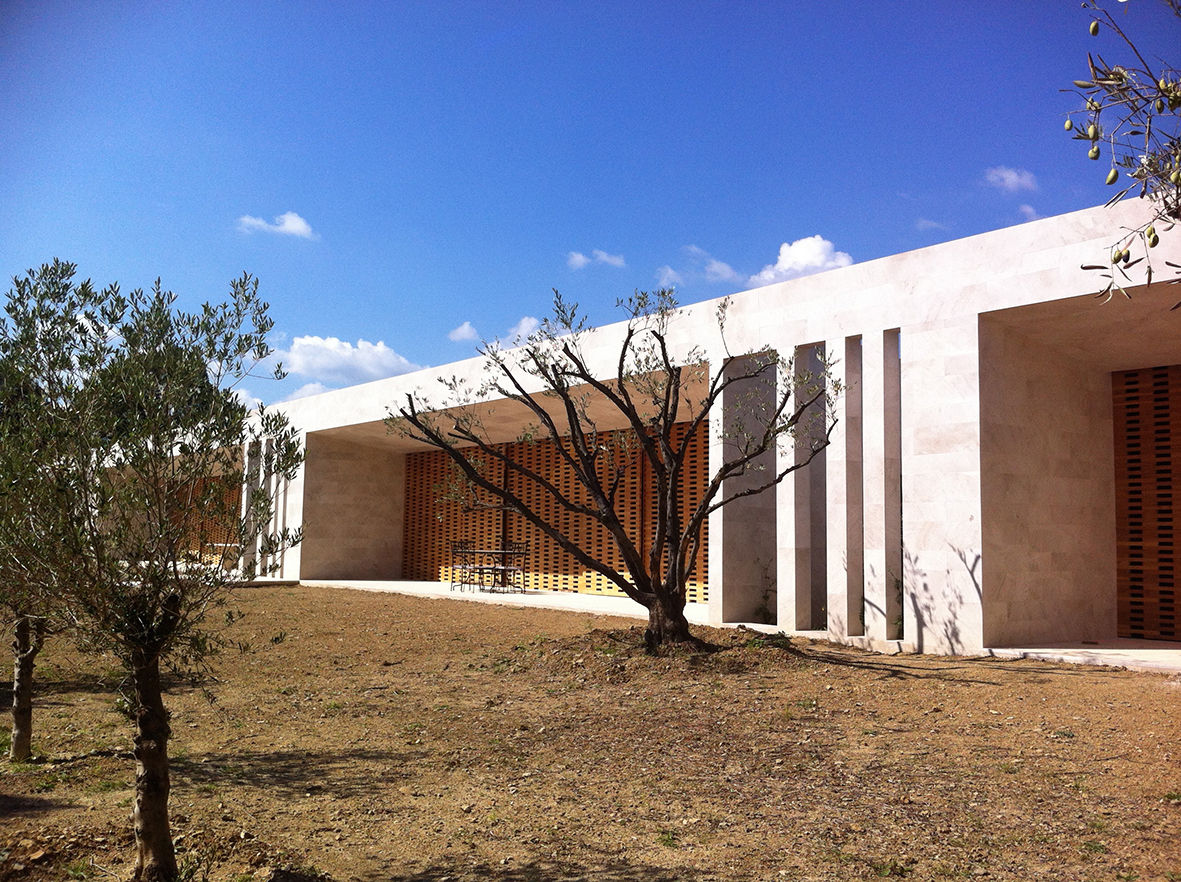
column 615, row 260
column 307, row 389
column 522, row 329
column 248, row 398
column 926, row 224
column 802, row 257
column 287, row 224
column 1028, row 212
column 576, row 260
column 464, row 332
column 700, row 266
column 718, row 271
column 1011, row 180
column 332, row 361
column 667, row 277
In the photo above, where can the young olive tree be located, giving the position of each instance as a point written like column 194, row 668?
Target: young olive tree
column 64, row 345
column 25, row 593
column 1132, row 116
column 652, row 391
column 159, row 471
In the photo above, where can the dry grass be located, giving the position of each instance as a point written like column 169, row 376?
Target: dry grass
column 380, row 737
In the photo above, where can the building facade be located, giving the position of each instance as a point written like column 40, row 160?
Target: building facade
column 1000, row 474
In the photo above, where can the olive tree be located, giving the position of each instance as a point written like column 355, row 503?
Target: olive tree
column 25, row 593
column 1131, row 117
column 158, row 469
column 650, row 389
column 65, row 345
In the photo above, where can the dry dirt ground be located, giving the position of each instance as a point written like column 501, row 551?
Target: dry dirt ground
column 380, row 737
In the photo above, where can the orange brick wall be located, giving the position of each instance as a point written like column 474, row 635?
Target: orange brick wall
column 433, row 523
column 1147, row 415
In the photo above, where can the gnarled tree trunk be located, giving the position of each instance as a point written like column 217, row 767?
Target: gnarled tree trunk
column 155, row 859
column 666, row 621
column 26, row 643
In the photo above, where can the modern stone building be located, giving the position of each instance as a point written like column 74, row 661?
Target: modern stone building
column 1000, row 475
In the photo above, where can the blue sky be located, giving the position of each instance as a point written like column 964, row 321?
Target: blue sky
column 403, row 177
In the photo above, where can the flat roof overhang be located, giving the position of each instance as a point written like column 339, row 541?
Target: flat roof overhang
column 1129, row 332
column 503, row 420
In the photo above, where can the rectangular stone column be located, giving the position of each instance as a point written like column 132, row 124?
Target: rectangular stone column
column 873, row 414
column 786, row 568
column 836, row 509
column 714, row 459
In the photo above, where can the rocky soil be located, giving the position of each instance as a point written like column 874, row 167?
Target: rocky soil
column 359, row 736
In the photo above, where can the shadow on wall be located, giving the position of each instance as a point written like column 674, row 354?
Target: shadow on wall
column 938, row 612
column 869, row 606
column 765, row 611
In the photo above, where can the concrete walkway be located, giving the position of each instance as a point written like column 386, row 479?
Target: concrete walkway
column 1136, row 655
column 597, row 604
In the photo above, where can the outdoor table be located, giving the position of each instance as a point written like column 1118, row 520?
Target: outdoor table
column 488, row 569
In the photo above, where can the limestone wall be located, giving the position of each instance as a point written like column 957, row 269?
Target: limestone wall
column 352, row 511
column 1048, row 494
column 968, row 468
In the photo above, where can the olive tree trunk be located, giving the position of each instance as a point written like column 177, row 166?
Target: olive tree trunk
column 155, row 859
column 667, row 622
column 26, row 643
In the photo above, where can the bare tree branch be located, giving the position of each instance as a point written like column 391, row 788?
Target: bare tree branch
column 655, row 397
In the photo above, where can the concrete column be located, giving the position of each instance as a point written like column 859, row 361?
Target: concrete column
column 749, row 547
column 940, row 446
column 873, row 415
column 854, row 488
column 811, row 518
column 293, row 508
column 786, row 565
column 892, row 430
column 249, row 553
column 717, row 545
column 836, row 510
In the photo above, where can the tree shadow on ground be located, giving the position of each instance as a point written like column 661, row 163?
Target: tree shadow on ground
column 57, row 685
column 968, row 670
column 729, row 657
column 27, row 806
column 603, row 869
column 343, row 772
